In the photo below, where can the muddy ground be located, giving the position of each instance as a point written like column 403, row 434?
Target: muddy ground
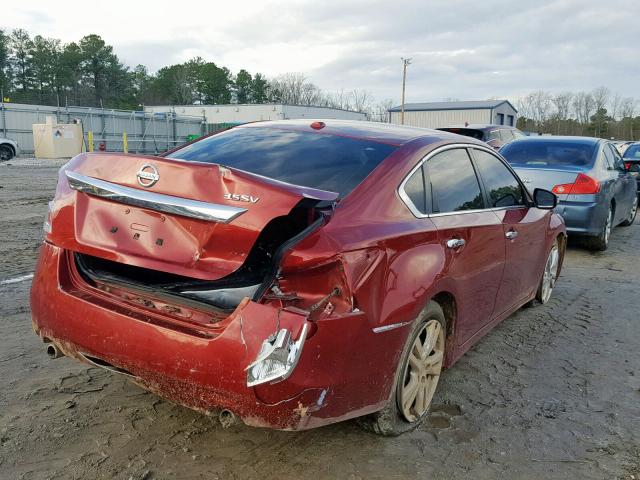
column 553, row 392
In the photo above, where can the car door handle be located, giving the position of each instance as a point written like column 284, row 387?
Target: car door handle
column 455, row 243
column 511, row 234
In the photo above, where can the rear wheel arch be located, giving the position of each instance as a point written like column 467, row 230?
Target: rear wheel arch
column 447, row 301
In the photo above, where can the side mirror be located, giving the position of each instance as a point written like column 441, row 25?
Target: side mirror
column 544, row 199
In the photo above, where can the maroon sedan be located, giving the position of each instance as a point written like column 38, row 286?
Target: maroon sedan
column 292, row 274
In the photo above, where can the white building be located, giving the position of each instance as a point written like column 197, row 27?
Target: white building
column 445, row 114
column 234, row 114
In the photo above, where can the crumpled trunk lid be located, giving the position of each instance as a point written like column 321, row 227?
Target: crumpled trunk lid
column 184, row 218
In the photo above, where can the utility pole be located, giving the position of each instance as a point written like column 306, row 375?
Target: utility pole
column 405, row 62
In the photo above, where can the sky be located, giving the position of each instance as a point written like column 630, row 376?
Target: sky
column 463, row 50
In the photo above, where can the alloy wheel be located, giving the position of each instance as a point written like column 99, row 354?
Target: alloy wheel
column 550, row 274
column 422, row 371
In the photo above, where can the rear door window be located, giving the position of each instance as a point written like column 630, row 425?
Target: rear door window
column 414, row 190
column 609, row 158
column 617, row 159
column 501, row 185
column 316, row 160
column 453, row 182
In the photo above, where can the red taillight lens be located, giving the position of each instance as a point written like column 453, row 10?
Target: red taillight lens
column 582, row 185
column 627, row 165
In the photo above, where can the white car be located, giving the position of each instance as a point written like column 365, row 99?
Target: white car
column 8, row 149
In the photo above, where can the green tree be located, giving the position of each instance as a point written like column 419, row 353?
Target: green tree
column 45, row 57
column 243, row 87
column 69, row 73
column 97, row 60
column 216, row 83
column 172, row 85
column 21, row 46
column 5, row 67
column 259, row 89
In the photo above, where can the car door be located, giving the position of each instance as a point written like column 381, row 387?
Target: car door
column 524, row 228
column 619, row 183
column 627, row 185
column 471, row 235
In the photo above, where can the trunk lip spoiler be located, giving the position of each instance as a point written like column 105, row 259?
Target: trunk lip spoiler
column 184, row 207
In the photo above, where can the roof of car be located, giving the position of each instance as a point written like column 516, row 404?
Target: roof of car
column 374, row 131
column 481, row 126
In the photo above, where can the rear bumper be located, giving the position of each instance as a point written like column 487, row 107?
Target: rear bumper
column 582, row 218
column 206, row 372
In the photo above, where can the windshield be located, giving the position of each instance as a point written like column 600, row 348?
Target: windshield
column 632, row 153
column 316, row 160
column 564, row 155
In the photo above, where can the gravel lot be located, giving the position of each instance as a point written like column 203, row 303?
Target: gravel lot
column 553, row 392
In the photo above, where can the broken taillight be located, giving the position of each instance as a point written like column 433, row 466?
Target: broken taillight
column 582, row 185
column 277, row 358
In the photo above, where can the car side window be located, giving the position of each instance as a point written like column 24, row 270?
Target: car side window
column 608, row 157
column 502, row 186
column 414, row 189
column 493, row 135
column 453, row 182
column 617, row 159
column 506, row 135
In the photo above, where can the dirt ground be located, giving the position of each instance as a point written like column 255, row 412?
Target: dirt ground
column 553, row 392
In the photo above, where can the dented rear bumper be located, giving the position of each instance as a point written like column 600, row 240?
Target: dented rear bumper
column 344, row 370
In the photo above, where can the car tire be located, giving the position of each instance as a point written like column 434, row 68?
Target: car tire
column 6, row 153
column 415, row 372
column 632, row 213
column 550, row 274
column 601, row 242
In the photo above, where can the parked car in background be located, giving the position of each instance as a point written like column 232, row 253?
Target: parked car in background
column 595, row 191
column 631, row 159
column 292, row 273
column 8, row 149
column 621, row 146
column 494, row 135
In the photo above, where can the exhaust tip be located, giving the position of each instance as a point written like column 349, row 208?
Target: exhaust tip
column 227, row 418
column 53, row 351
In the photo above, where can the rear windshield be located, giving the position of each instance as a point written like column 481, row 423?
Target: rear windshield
column 551, row 154
column 467, row 132
column 632, row 153
column 315, row 160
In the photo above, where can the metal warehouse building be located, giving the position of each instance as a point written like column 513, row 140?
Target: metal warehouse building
column 444, row 114
column 235, row 114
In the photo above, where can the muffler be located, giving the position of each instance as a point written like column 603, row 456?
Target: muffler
column 53, row 351
column 227, row 418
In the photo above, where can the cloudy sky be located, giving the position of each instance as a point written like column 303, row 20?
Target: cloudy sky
column 465, row 50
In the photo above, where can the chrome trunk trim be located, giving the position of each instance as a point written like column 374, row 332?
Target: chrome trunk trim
column 153, row 201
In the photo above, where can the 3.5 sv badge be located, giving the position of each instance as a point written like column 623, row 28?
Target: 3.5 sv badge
column 241, row 198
